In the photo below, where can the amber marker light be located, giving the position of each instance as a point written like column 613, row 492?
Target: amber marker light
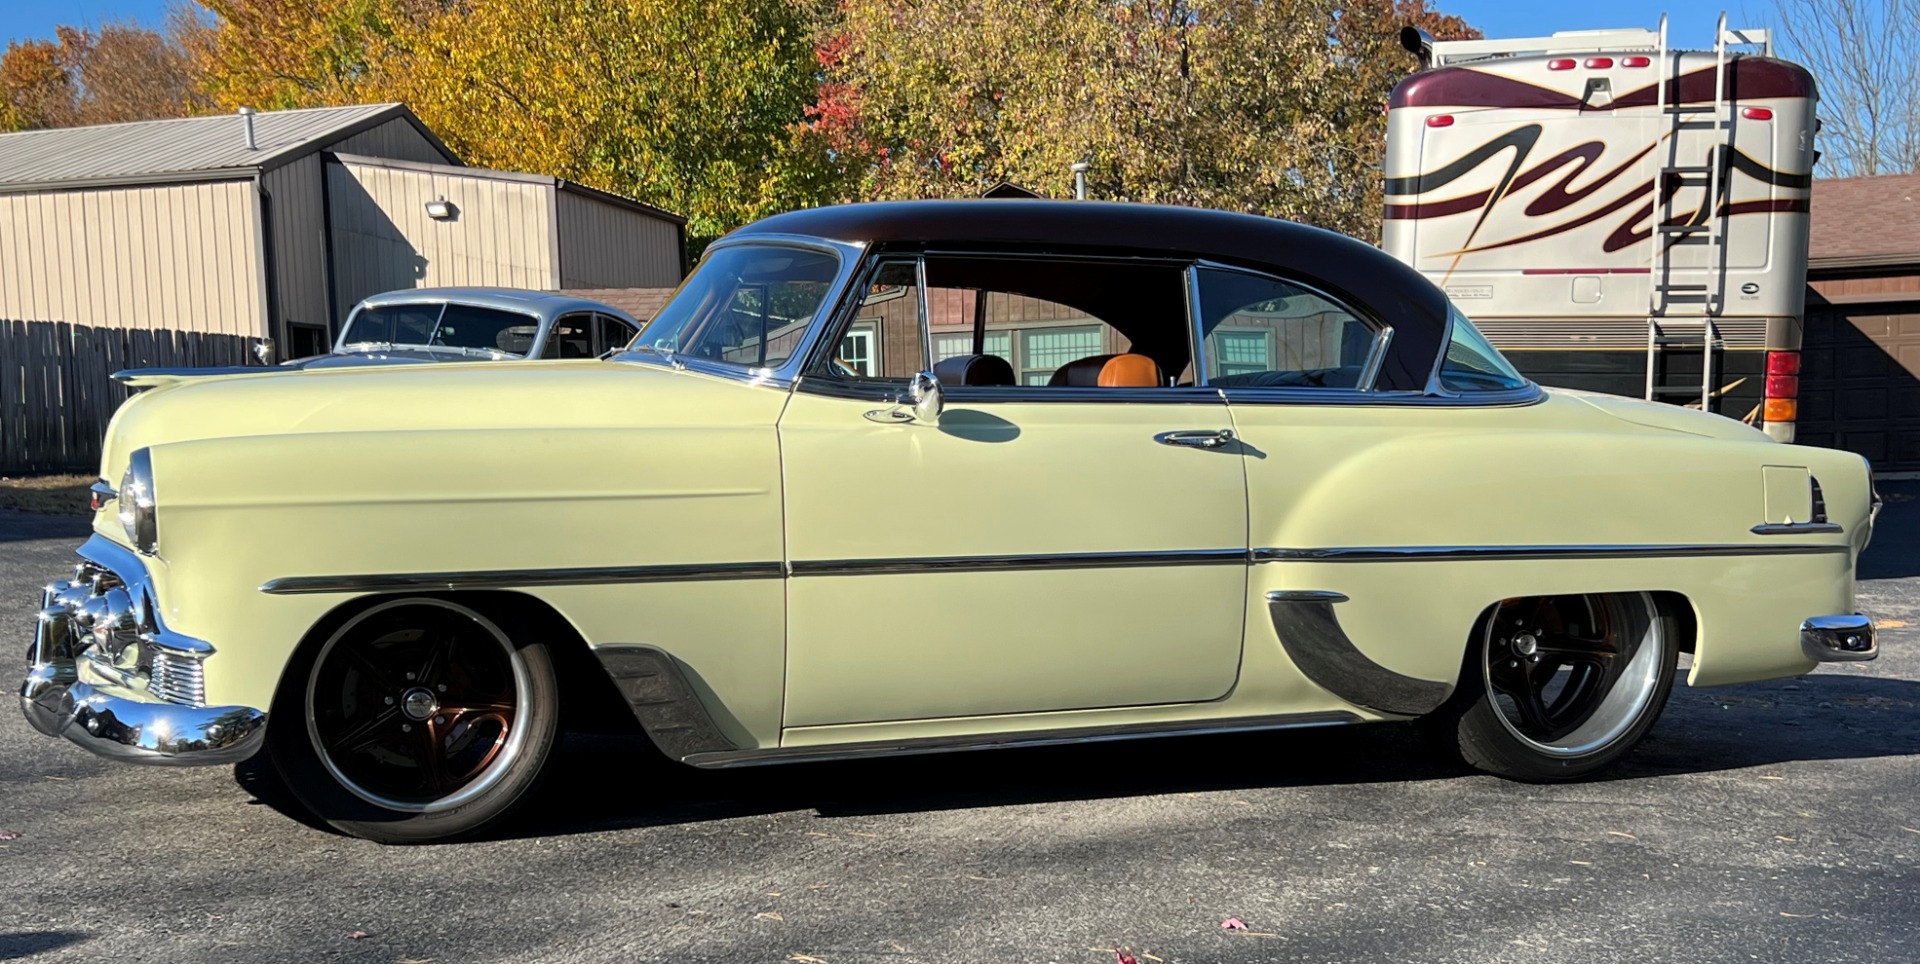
column 1782, row 410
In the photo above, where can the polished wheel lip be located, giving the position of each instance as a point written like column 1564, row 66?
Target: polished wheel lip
column 1618, row 710
column 495, row 770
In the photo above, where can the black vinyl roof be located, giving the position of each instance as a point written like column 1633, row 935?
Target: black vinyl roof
column 1357, row 273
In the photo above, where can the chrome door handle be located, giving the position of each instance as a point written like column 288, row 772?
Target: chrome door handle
column 1197, row 439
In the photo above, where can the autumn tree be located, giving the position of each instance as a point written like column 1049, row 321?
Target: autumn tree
column 1865, row 57
column 120, row 72
column 279, row 54
column 1272, row 106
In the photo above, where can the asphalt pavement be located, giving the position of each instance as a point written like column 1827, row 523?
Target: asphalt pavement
column 1768, row 822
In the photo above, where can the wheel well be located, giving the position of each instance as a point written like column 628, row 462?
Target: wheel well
column 1669, row 603
column 589, row 701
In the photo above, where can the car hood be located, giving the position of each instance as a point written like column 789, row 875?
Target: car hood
column 473, row 396
column 1672, row 418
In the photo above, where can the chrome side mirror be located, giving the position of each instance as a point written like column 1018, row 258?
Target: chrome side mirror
column 928, row 400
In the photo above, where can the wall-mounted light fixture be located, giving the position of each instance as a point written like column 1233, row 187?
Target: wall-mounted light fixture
column 441, row 209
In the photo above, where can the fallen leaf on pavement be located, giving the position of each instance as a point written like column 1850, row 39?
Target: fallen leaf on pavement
column 1234, row 924
column 1124, row 958
column 6, row 835
column 1910, row 830
column 1623, row 833
column 768, row 915
column 1583, row 863
column 357, row 935
column 806, row 959
column 1785, row 914
column 1150, row 957
column 1783, row 839
column 773, row 893
column 1773, row 778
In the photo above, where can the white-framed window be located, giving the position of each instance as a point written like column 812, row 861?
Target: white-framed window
column 1044, row 350
column 1243, row 351
column 859, row 349
column 954, row 344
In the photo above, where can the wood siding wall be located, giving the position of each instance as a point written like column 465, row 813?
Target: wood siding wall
column 183, row 257
column 297, row 229
column 383, row 240
column 57, row 393
column 605, row 245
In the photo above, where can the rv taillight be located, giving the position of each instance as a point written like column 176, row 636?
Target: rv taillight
column 1783, row 386
column 1783, row 363
column 1440, row 120
column 1781, row 410
column 1562, row 64
column 1634, row 61
column 1756, row 113
column 1599, row 63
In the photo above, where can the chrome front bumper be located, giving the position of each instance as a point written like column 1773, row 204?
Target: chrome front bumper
column 105, row 672
column 1839, row 639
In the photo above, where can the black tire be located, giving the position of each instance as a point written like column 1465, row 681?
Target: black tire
column 437, row 752
column 1593, row 696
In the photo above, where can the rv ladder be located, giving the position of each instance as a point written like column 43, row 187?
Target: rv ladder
column 1683, row 301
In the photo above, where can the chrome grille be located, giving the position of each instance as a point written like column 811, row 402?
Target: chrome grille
column 177, row 678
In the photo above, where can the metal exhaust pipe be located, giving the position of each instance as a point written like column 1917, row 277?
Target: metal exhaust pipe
column 1419, row 43
column 246, row 127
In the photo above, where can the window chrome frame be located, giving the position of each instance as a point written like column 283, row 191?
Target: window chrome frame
column 851, row 259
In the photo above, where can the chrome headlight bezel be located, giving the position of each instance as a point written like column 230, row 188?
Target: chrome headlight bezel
column 136, row 503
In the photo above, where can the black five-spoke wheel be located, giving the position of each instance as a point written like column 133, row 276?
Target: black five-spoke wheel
column 1559, row 686
column 426, row 720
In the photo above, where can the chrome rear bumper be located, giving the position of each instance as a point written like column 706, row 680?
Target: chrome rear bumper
column 105, row 673
column 1839, row 639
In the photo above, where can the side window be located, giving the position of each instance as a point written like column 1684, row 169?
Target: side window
column 1263, row 332
column 571, row 337
column 1473, row 364
column 614, row 334
column 1039, row 322
column 883, row 341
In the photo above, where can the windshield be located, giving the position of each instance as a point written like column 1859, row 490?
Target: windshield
column 444, row 325
column 745, row 305
column 1473, row 364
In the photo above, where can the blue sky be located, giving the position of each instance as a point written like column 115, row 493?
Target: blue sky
column 1691, row 21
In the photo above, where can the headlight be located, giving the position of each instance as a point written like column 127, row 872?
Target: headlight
column 136, row 503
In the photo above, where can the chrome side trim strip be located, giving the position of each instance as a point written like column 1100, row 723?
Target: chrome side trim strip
column 1311, row 633
column 1796, row 528
column 1065, row 560
column 1306, row 596
column 519, row 578
column 1034, row 738
column 1452, row 553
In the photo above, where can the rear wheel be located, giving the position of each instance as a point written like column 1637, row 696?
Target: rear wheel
column 1557, row 687
column 420, row 720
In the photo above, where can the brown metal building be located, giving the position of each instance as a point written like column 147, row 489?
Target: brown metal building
column 274, row 224
column 1860, row 382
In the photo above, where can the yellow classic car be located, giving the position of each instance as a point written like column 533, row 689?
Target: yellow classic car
column 930, row 476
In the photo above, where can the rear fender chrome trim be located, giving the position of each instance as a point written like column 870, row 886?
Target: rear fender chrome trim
column 1456, row 553
column 1032, row 738
column 1797, row 528
column 1311, row 634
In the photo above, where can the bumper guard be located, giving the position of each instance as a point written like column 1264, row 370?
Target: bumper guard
column 105, row 672
column 1839, row 639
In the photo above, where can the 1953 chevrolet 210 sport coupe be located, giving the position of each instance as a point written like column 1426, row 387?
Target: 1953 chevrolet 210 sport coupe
column 932, row 476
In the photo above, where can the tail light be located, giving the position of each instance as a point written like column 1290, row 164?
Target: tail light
column 1564, row 63
column 1599, row 63
column 1635, row 61
column 1756, row 113
column 1440, row 120
column 1783, row 387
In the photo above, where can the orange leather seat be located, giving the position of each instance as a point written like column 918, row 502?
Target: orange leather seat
column 1109, row 371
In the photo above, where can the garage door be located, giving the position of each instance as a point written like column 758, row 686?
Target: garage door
column 1860, row 385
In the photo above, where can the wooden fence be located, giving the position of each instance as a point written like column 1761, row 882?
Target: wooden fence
column 57, row 391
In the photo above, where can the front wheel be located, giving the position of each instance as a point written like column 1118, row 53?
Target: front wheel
column 418, row 720
column 1557, row 687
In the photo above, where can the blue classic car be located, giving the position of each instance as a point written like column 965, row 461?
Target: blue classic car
column 418, row 325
